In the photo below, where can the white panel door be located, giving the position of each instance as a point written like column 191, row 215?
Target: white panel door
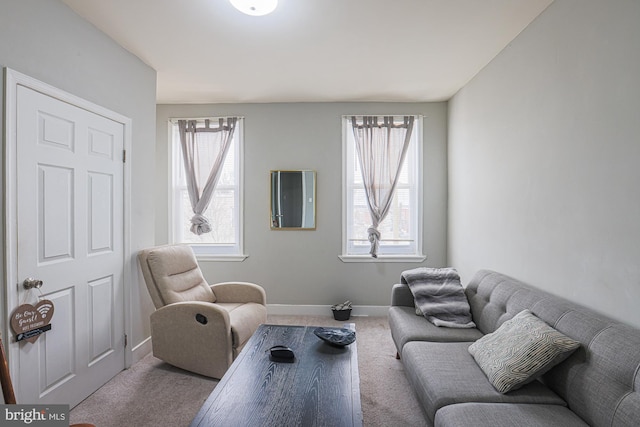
column 70, row 235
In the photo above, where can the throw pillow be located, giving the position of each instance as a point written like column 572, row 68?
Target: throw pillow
column 520, row 350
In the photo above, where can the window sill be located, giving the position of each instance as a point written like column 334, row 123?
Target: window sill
column 382, row 258
column 221, row 257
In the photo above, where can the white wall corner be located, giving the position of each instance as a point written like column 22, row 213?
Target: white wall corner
column 140, row 350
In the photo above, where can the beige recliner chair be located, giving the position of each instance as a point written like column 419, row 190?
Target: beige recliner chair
column 196, row 326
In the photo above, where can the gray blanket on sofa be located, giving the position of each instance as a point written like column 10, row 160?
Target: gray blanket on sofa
column 439, row 295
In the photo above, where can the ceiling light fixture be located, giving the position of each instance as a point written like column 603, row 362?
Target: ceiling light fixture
column 255, row 7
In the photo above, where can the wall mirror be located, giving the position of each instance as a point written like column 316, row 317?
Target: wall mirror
column 293, row 200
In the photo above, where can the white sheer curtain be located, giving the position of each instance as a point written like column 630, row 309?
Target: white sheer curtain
column 381, row 145
column 204, row 148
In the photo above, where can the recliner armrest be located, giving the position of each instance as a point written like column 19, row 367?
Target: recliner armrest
column 181, row 316
column 195, row 336
column 239, row 292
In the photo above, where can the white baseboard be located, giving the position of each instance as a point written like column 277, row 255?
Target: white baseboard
column 325, row 310
column 141, row 350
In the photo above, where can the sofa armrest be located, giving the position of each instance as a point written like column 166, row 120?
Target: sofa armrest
column 239, row 292
column 401, row 295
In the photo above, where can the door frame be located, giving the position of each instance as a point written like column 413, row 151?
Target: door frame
column 9, row 299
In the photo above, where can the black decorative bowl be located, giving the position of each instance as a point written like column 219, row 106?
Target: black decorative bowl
column 336, row 336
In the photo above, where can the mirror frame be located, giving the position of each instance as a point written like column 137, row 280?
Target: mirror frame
column 272, row 210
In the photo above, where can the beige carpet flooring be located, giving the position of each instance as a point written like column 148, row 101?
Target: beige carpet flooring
column 153, row 393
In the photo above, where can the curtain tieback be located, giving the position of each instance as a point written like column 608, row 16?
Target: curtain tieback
column 200, row 224
column 374, row 238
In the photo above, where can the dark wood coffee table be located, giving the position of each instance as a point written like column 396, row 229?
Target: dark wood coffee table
column 320, row 388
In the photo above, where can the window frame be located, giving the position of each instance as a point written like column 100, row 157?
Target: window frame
column 204, row 251
column 348, row 156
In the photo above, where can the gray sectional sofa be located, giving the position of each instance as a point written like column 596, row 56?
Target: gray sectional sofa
column 597, row 385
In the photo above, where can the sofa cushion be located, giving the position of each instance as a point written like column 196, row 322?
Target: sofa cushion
column 506, row 415
column 601, row 380
column 495, row 298
column 445, row 373
column 522, row 349
column 406, row 326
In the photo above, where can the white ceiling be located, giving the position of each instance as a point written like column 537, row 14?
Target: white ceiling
column 205, row 51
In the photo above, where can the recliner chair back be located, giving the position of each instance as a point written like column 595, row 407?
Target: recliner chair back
column 172, row 275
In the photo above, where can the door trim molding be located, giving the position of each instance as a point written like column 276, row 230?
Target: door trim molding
column 9, row 294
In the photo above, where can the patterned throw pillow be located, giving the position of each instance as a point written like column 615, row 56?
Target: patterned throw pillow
column 520, row 350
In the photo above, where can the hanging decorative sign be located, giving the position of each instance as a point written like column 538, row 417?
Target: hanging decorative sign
column 29, row 322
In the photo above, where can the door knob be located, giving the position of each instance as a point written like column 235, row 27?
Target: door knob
column 31, row 283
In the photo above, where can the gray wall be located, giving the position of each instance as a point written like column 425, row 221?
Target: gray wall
column 48, row 41
column 302, row 267
column 544, row 147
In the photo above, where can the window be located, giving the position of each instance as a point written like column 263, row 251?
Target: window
column 401, row 230
column 224, row 212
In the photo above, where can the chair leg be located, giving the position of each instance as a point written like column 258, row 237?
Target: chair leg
column 5, row 379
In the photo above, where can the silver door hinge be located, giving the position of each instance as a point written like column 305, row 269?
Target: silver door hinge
column 126, row 340
column 124, row 156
